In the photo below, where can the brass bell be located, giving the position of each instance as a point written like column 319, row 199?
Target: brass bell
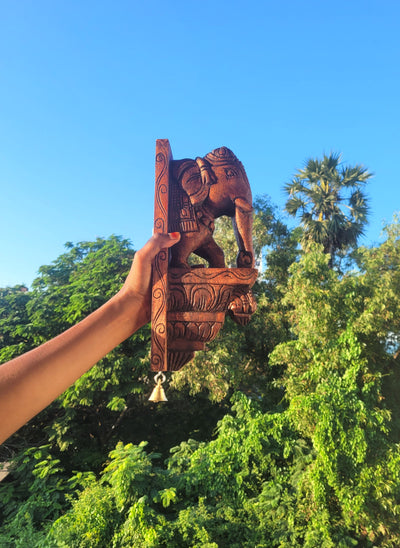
column 158, row 393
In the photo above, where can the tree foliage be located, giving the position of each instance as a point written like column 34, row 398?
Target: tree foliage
column 66, row 291
column 331, row 202
column 92, row 415
column 238, row 358
column 14, row 321
column 340, row 378
column 306, row 454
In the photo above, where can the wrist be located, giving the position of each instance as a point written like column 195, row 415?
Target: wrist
column 133, row 310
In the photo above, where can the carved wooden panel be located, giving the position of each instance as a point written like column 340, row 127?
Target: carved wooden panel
column 197, row 303
column 160, row 264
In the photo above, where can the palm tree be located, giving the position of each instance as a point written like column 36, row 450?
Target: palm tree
column 330, row 201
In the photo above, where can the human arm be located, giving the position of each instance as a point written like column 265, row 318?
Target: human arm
column 32, row 381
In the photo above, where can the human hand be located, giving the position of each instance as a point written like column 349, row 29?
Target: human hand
column 137, row 284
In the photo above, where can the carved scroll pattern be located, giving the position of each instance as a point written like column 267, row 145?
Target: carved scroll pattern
column 159, row 311
column 214, row 275
column 161, row 193
column 160, row 264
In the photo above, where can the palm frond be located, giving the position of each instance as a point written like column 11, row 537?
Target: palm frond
column 359, row 206
column 294, row 205
column 355, row 176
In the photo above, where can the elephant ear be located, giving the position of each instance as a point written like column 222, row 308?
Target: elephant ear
column 192, row 180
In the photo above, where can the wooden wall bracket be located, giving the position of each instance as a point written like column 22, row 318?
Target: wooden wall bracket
column 189, row 304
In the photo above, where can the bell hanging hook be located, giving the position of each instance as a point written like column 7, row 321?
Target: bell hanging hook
column 158, row 393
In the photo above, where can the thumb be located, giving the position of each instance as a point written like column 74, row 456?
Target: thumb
column 138, row 279
column 157, row 242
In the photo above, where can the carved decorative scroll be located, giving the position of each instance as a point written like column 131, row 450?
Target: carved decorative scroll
column 160, row 264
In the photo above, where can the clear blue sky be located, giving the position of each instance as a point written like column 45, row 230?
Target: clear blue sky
column 86, row 87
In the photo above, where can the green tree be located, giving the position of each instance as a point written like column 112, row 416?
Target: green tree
column 319, row 468
column 238, row 358
column 14, row 321
column 342, row 380
column 217, row 494
column 66, row 291
column 92, row 415
column 331, row 203
column 107, row 404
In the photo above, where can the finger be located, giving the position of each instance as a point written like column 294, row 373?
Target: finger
column 157, row 242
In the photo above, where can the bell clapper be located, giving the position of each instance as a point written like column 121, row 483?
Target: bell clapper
column 158, row 393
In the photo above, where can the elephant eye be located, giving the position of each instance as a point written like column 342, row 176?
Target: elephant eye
column 230, row 173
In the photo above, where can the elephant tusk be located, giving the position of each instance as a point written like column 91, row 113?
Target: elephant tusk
column 243, row 205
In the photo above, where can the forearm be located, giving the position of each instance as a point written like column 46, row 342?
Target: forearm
column 30, row 382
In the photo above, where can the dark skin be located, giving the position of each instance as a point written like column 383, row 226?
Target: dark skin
column 32, row 381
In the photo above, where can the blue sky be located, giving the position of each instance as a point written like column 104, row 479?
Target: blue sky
column 86, row 87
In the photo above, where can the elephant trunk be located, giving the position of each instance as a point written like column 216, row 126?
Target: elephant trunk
column 242, row 226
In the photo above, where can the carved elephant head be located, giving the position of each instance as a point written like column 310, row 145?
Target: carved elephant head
column 203, row 190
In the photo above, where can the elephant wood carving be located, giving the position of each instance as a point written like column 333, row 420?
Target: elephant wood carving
column 189, row 303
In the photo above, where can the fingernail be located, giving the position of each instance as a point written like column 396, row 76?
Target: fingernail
column 174, row 235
